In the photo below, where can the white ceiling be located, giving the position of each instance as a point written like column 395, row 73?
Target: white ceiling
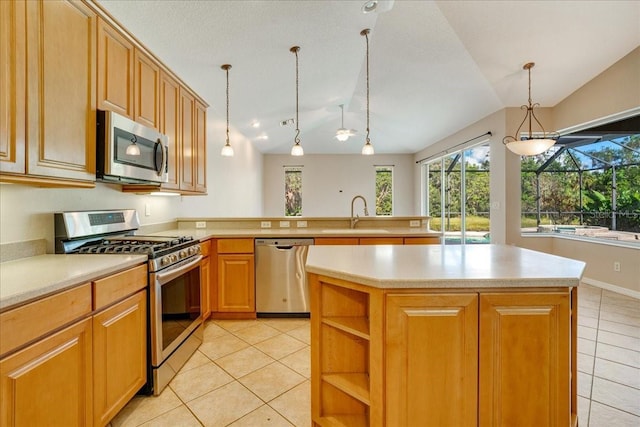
column 435, row 66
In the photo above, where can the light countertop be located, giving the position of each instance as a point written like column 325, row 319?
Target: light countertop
column 444, row 266
column 27, row 279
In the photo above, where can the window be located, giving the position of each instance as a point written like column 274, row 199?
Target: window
column 293, row 191
column 384, row 190
column 459, row 207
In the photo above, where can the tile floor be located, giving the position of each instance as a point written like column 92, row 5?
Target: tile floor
column 256, row 373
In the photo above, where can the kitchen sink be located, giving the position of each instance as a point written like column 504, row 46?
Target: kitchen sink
column 355, row 231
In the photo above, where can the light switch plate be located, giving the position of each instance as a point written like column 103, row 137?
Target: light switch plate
column 201, row 224
column 284, row 224
column 301, row 224
column 265, row 224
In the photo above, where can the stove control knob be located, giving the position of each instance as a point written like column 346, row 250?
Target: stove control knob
column 164, row 260
column 182, row 254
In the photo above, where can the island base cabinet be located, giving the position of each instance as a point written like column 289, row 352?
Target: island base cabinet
column 120, row 355
column 524, row 359
column 49, row 383
column 431, row 359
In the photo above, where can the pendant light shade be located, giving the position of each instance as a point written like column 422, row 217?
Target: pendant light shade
column 343, row 133
column 133, row 149
column 296, row 150
column 227, row 150
column 529, row 145
column 367, row 150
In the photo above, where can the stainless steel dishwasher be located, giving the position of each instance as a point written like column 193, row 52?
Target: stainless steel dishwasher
column 281, row 280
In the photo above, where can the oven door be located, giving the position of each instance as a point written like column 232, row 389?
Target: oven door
column 175, row 307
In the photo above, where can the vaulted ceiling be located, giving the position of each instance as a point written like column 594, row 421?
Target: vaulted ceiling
column 435, row 66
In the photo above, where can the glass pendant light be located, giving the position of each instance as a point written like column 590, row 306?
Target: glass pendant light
column 227, row 150
column 133, row 149
column 367, row 150
column 296, row 150
column 529, row 146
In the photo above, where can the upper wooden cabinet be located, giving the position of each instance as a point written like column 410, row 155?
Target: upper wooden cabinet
column 147, row 90
column 170, row 126
column 201, row 147
column 115, row 70
column 187, row 162
column 48, row 135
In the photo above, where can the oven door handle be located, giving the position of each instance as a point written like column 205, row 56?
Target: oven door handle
column 176, row 271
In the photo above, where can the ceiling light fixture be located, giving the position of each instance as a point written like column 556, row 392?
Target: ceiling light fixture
column 227, row 150
column 369, row 6
column 529, row 145
column 343, row 134
column 133, row 149
column 367, row 150
column 296, row 150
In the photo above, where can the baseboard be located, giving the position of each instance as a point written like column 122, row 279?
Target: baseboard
column 612, row 288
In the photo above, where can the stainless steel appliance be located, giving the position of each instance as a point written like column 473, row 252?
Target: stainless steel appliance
column 281, row 281
column 128, row 152
column 175, row 286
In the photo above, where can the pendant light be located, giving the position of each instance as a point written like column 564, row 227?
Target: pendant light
column 133, row 149
column 367, row 150
column 227, row 150
column 529, row 146
column 343, row 134
column 296, row 150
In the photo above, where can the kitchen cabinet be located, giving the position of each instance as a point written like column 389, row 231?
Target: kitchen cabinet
column 115, row 70
column 400, row 357
column 336, row 241
column 377, row 240
column 187, row 141
column 201, row 147
column 381, row 241
column 170, row 126
column 421, row 240
column 147, row 90
column 206, row 277
column 48, row 138
column 236, row 277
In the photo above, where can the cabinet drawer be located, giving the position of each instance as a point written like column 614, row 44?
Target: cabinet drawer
column 24, row 324
column 421, row 240
column 235, row 246
column 118, row 286
column 381, row 241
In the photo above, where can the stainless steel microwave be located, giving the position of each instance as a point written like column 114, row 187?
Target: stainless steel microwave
column 128, row 152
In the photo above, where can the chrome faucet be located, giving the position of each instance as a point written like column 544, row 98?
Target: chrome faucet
column 355, row 219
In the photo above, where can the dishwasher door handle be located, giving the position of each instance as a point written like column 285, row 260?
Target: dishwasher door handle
column 284, row 248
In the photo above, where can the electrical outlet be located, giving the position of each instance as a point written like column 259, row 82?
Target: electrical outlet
column 301, row 224
column 616, row 266
column 265, row 224
column 414, row 223
column 284, row 224
column 147, row 209
column 201, row 224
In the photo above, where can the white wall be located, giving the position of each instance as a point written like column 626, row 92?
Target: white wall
column 329, row 182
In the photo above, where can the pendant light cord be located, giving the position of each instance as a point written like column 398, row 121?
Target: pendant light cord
column 295, row 50
column 227, row 70
column 366, row 36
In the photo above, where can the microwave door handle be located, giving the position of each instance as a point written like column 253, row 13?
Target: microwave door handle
column 163, row 162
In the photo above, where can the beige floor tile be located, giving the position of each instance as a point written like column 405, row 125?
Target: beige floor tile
column 616, row 395
column 264, row 416
column 587, row 321
column 235, row 325
column 179, row 416
column 302, row 333
column 586, row 346
column 144, row 408
column 584, row 405
column 213, row 330
column 614, row 316
column 605, row 416
column 627, row 310
column 619, row 328
column 271, row 381
column 295, row 405
column 198, row 381
column 593, row 304
column 280, row 346
column 222, row 346
column 619, row 340
column 285, row 325
column 588, row 312
column 300, row 361
column 245, row 361
column 584, row 385
column 587, row 333
column 197, row 359
column 609, row 297
column 618, row 354
column 256, row 333
column 224, row 405
column 585, row 363
column 617, row 372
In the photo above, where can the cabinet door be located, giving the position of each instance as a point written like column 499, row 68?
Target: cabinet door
column 187, row 119
column 201, row 147
column 61, row 64
column 12, row 86
column 49, row 382
column 381, row 241
column 169, row 125
column 119, row 355
column 147, row 90
column 524, row 359
column 431, row 360
column 236, row 284
column 115, row 71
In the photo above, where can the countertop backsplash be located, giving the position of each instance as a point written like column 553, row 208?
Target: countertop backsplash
column 17, row 250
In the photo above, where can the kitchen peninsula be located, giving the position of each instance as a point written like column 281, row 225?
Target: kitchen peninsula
column 442, row 335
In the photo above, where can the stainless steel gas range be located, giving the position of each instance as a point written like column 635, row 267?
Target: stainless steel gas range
column 175, row 286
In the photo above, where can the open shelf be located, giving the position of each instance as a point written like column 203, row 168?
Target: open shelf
column 358, row 326
column 355, row 385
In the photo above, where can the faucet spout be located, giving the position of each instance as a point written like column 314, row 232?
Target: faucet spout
column 356, row 218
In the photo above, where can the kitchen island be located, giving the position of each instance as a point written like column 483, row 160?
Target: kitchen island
column 442, row 335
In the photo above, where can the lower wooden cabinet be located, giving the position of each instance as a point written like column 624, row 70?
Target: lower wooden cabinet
column 119, row 355
column 205, row 286
column 236, row 283
column 49, row 383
